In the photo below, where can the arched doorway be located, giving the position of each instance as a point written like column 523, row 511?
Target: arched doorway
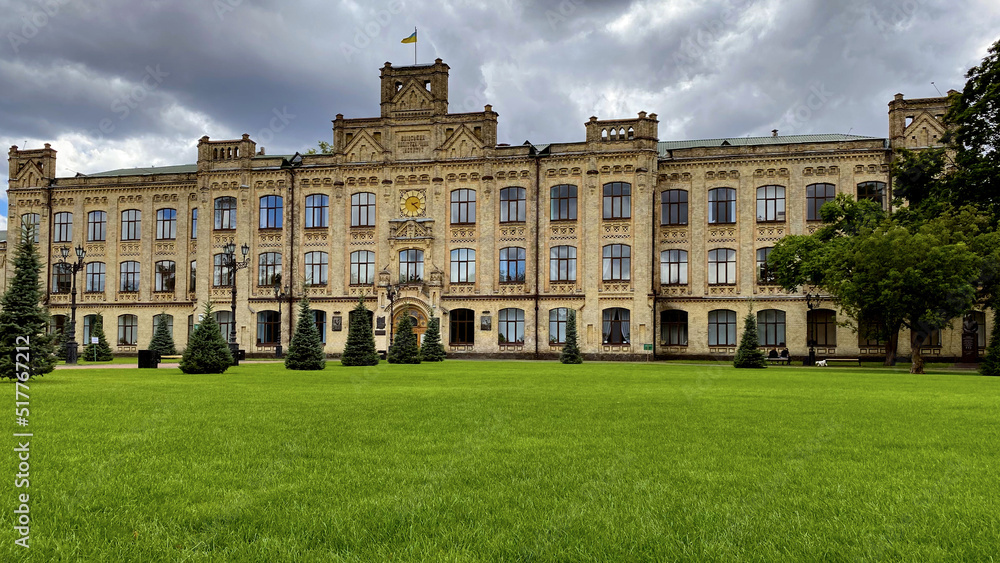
column 417, row 317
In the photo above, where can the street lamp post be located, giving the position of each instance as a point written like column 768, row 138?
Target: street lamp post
column 233, row 266
column 71, row 344
column 278, row 296
column 810, row 340
column 392, row 291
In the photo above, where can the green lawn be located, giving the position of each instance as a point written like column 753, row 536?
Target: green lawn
column 514, row 461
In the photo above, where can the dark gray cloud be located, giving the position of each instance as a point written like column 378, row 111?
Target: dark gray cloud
column 116, row 82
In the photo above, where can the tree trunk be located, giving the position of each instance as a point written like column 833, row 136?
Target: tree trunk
column 891, row 346
column 918, row 361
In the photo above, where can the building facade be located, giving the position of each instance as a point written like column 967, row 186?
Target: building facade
column 658, row 246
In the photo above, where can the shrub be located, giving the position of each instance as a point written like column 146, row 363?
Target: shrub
column 571, row 348
column 432, row 350
column 748, row 355
column 404, row 345
column 305, row 351
column 162, row 343
column 360, row 348
column 207, row 351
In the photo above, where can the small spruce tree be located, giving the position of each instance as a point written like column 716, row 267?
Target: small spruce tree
column 207, row 351
column 59, row 342
column 101, row 351
column 432, row 350
column 162, row 343
column 22, row 315
column 991, row 363
column 404, row 348
column 748, row 355
column 305, row 351
column 571, row 348
column 360, row 347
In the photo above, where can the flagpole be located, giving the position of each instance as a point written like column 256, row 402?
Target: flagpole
column 414, row 45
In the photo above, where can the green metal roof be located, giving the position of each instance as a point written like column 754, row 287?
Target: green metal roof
column 664, row 146
column 176, row 169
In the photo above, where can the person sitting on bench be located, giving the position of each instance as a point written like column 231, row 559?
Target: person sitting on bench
column 773, row 354
column 784, row 353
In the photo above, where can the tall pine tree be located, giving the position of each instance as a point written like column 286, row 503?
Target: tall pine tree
column 571, row 348
column 305, row 351
column 24, row 321
column 207, row 350
column 162, row 343
column 748, row 355
column 432, row 350
column 101, row 351
column 404, row 348
column 360, row 348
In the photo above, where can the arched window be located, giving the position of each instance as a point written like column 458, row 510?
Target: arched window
column 674, row 328
column 722, row 328
column 462, row 326
column 222, row 276
column 674, row 207
column 562, row 263
column 411, row 265
column 463, row 265
column 58, row 324
column 874, row 333
column 617, row 264
column 97, row 226
column 721, row 266
column 226, row 325
column 764, row 275
column 721, row 206
column 615, row 326
column 873, row 191
column 166, row 224
column 557, row 325
column 821, row 326
column 319, row 318
column 129, row 276
column 512, row 264
column 617, row 200
column 362, row 267
column 463, row 207
column 510, row 326
column 271, row 212
column 818, row 195
column 62, row 227
column 130, row 230
column 316, row 268
column 96, row 273
column 268, row 268
column 31, row 225
column 771, row 204
column 128, row 330
column 512, row 205
column 771, row 327
column 62, row 277
column 225, row 213
column 170, row 323
column 164, row 275
column 674, row 267
column 562, row 203
column 317, row 211
column 363, row 209
column 268, row 328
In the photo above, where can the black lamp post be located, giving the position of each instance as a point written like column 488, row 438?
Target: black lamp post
column 230, row 252
column 278, row 296
column 392, row 292
column 71, row 345
column 810, row 341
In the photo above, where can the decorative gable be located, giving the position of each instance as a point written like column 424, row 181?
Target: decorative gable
column 411, row 97
column 463, row 143
column 30, row 175
column 363, row 148
column 924, row 131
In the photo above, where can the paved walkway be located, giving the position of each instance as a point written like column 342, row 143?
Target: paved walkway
column 162, row 365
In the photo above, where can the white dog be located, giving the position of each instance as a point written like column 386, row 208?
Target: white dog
column 821, row 364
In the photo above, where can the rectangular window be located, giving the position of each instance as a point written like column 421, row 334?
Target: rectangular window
column 617, row 200
column 95, row 277
column 770, row 204
column 363, row 209
column 512, row 264
column 722, row 206
column 166, row 224
column 63, row 227
column 128, row 330
column 557, row 325
column 617, row 262
column 62, row 277
column 362, row 267
column 722, row 328
column 271, row 212
column 317, row 209
column 563, row 203
column 463, row 207
column 222, row 276
column 193, row 279
column 165, row 275
column 194, row 223
column 674, row 328
column 674, row 207
column 818, row 195
column 129, row 276
column 411, row 265
column 130, row 224
column 268, row 268
column 316, row 268
column 674, row 267
column 97, row 229
column 562, row 264
column 512, row 205
column 463, row 265
column 721, row 266
column 225, row 213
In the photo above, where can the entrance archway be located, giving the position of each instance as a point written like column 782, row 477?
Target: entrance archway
column 417, row 317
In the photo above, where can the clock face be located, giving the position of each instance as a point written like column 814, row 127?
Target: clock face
column 412, row 203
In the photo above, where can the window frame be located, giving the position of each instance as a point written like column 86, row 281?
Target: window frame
column 763, row 275
column 558, row 318
column 617, row 201
column 131, row 225
column 271, row 212
column 674, row 260
column 722, row 206
column 815, row 203
column 128, row 330
column 674, row 207
column 563, row 202
column 162, row 279
column 411, row 265
column 62, row 227
column 129, row 277
column 95, row 272
column 459, row 327
column 673, row 327
column 519, row 262
column 727, row 324
column 97, row 226
column 513, row 204
column 462, row 210
column 772, row 328
column 224, row 213
column 727, row 266
column 194, row 223
column 268, row 268
column 623, row 260
column 268, row 325
column 363, row 209
column 62, row 277
column 314, row 267
column 828, row 324
column 222, row 274
column 462, row 265
column 774, row 205
column 317, row 211
column 368, row 264
column 616, row 321
column 166, row 223
column 880, row 191
column 505, row 323
column 562, row 268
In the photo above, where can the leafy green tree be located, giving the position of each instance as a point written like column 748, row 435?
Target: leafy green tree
column 749, row 355
column 24, row 317
column 305, row 351
column 162, row 343
column 404, row 348
column 207, row 351
column 991, row 363
column 324, row 148
column 570, row 353
column 101, row 350
column 432, row 350
column 360, row 349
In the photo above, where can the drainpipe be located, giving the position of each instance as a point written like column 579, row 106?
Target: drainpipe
column 538, row 238
column 291, row 251
column 51, row 249
column 653, row 262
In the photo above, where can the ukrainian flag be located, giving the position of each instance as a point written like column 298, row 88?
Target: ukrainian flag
column 411, row 39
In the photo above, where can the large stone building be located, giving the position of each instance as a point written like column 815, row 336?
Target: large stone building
column 648, row 241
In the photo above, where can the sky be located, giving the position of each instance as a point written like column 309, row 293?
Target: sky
column 120, row 83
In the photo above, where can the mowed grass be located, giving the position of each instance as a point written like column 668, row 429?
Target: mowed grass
column 512, row 461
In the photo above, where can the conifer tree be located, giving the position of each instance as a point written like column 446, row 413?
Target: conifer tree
column 24, row 321
column 748, row 355
column 162, row 343
column 404, row 348
column 571, row 348
column 360, row 347
column 100, row 352
column 305, row 351
column 59, row 344
column 207, row 351
column 991, row 363
column 432, row 350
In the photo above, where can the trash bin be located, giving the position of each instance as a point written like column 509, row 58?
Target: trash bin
column 147, row 359
column 242, row 354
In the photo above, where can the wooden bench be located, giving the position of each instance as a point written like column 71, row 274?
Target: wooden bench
column 177, row 357
column 843, row 360
column 779, row 361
